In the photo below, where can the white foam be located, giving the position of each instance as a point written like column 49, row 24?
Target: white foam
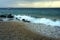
column 5, row 19
column 38, row 20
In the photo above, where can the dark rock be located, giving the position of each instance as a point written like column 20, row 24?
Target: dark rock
column 17, row 19
column 25, row 20
column 10, row 16
column 3, row 16
column 7, row 16
column 54, row 19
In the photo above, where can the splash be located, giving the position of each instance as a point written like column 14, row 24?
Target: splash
column 38, row 20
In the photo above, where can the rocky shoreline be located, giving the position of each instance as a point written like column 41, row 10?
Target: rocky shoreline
column 9, row 17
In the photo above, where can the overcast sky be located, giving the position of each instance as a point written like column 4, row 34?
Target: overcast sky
column 30, row 3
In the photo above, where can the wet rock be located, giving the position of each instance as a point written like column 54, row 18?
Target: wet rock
column 2, row 16
column 25, row 20
column 17, row 19
column 54, row 19
column 10, row 16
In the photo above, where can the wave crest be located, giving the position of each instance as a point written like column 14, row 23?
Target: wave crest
column 38, row 20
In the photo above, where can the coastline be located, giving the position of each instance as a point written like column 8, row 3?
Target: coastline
column 21, row 31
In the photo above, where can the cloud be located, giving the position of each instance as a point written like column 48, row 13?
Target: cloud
column 39, row 4
column 29, row 3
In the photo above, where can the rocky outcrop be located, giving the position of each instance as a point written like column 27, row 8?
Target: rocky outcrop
column 10, row 16
column 2, row 16
column 7, row 16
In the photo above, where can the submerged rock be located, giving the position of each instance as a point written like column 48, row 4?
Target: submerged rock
column 17, row 19
column 54, row 19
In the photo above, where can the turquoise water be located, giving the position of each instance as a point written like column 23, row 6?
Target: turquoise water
column 32, row 11
column 48, row 15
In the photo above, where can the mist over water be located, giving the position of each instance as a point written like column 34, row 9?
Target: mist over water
column 38, row 20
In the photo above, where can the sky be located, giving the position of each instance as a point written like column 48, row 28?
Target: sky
column 29, row 3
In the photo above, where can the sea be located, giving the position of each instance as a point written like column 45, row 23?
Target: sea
column 48, row 16
column 32, row 11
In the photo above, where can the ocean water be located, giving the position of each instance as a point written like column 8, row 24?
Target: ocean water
column 32, row 11
column 38, row 20
column 28, row 14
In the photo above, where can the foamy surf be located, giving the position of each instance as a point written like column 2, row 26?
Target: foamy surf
column 38, row 20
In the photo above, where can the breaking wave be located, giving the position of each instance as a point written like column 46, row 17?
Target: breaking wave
column 38, row 20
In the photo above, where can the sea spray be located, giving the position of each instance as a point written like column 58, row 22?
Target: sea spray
column 20, row 17
column 38, row 20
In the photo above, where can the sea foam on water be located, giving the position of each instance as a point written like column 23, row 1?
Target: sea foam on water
column 39, row 20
